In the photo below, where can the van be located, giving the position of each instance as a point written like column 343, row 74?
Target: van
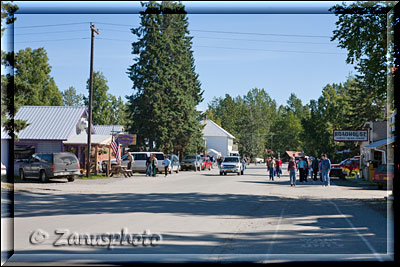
column 139, row 161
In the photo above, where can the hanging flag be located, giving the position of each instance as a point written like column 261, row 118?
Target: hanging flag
column 116, row 149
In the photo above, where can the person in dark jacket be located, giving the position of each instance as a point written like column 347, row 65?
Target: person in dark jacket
column 315, row 168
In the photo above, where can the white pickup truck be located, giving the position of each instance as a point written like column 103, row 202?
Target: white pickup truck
column 232, row 164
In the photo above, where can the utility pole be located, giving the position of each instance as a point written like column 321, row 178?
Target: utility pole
column 89, row 140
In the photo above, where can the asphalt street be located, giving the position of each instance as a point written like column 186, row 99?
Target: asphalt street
column 196, row 216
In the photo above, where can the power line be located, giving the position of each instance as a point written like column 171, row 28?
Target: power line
column 238, row 48
column 50, row 25
column 266, row 41
column 54, row 40
column 232, row 32
column 34, row 33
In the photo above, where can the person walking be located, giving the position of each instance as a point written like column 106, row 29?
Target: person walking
column 154, row 165
column 292, row 167
column 167, row 164
column 278, row 167
column 271, row 167
column 325, row 170
column 302, row 168
column 131, row 160
column 315, row 168
column 149, row 164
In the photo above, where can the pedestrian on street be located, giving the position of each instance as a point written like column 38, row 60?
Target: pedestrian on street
column 219, row 161
column 149, row 163
column 131, row 160
column 271, row 167
column 302, row 168
column 167, row 164
column 154, row 165
column 315, row 168
column 292, row 167
column 319, row 168
column 278, row 167
column 325, row 170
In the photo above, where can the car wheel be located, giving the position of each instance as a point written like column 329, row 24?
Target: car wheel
column 43, row 177
column 22, row 174
column 71, row 179
column 238, row 173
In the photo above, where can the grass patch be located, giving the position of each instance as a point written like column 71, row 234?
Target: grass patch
column 92, row 177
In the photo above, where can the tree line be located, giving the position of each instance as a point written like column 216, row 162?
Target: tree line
column 166, row 90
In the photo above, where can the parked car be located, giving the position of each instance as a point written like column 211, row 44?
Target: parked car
column 231, row 165
column 258, row 160
column 45, row 166
column 206, row 163
column 124, row 162
column 337, row 171
column 3, row 170
column 192, row 162
column 175, row 164
column 139, row 161
column 384, row 175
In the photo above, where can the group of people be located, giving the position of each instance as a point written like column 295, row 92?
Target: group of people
column 274, row 167
column 310, row 167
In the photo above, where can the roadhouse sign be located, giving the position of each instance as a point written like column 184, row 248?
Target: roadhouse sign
column 350, row 135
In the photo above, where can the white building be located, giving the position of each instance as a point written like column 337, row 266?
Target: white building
column 218, row 139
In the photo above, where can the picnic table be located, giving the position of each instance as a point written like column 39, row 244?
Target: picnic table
column 117, row 169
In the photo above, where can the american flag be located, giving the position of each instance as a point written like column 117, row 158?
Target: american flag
column 116, row 149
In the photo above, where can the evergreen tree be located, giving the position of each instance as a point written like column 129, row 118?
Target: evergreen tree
column 162, row 111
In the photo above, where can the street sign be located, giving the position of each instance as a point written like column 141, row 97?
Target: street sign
column 127, row 139
column 350, row 135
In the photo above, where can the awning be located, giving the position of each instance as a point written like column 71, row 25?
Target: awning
column 96, row 139
column 210, row 150
column 379, row 143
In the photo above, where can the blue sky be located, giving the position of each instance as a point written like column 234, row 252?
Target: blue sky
column 282, row 53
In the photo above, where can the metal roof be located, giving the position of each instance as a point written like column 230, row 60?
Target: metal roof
column 49, row 122
column 108, row 129
column 380, row 143
column 96, row 139
column 4, row 134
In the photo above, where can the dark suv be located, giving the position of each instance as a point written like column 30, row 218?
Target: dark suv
column 44, row 166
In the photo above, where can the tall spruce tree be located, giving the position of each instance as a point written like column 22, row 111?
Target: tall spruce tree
column 162, row 111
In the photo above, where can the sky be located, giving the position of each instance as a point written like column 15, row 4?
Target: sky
column 282, row 53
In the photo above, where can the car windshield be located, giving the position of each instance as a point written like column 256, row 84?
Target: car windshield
column 190, row 157
column 231, row 160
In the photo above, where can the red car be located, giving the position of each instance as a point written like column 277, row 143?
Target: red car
column 384, row 175
column 206, row 163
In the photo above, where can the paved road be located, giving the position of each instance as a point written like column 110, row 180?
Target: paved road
column 203, row 216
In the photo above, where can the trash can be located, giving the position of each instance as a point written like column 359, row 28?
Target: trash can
column 371, row 171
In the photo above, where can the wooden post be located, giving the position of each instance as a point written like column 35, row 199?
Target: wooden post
column 96, row 151
column 109, row 161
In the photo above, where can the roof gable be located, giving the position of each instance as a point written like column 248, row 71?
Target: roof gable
column 213, row 129
column 49, row 122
